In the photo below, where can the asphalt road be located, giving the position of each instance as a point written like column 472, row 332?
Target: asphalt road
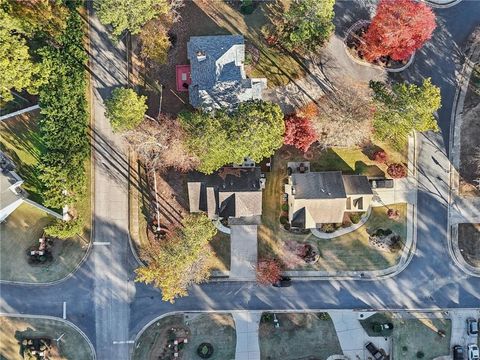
column 105, row 303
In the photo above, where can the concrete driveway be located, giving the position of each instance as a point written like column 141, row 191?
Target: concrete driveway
column 243, row 252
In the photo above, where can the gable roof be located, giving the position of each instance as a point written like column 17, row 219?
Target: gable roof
column 318, row 185
column 217, row 72
column 357, row 185
column 229, row 192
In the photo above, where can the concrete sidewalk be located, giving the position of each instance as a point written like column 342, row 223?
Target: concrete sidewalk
column 246, row 326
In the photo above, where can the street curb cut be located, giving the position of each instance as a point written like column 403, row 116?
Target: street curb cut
column 66, row 322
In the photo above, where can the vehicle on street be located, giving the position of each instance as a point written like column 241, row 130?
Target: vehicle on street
column 372, row 349
column 472, row 326
column 457, row 352
column 284, row 281
column 473, row 352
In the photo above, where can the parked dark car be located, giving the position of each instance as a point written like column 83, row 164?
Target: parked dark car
column 377, row 355
column 472, row 326
column 457, row 352
column 284, row 281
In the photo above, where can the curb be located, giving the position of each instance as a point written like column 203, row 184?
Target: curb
column 366, row 63
column 437, row 5
column 66, row 322
column 454, row 141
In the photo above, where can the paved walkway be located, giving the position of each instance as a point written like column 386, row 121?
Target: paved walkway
column 243, row 240
column 246, row 326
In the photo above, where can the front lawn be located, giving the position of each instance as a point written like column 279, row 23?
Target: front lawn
column 215, row 329
column 13, row 330
column 346, row 252
column 299, row 336
column 19, row 232
column 469, row 243
column 413, row 336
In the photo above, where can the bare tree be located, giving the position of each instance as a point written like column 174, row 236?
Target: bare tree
column 343, row 116
column 160, row 144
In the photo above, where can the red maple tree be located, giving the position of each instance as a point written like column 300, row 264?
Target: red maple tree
column 268, row 271
column 397, row 30
column 299, row 132
column 397, row 170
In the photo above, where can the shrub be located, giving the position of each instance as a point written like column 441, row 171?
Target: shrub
column 420, row 355
column 393, row 214
column 355, row 217
column 380, row 156
column 329, row 228
column 65, row 229
column 266, row 317
column 397, row 170
column 285, row 207
column 283, row 220
column 324, row 316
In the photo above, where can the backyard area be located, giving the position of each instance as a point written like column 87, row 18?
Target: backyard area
column 469, row 243
column 215, row 18
column 299, row 336
column 346, row 252
column 20, row 232
column 14, row 331
column 470, row 138
column 199, row 329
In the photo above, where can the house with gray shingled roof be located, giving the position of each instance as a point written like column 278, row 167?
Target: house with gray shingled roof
column 218, row 78
column 317, row 198
column 229, row 193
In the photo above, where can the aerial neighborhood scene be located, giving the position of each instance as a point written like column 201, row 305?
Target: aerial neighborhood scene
column 239, row 179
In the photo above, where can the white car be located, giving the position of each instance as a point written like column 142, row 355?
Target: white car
column 473, row 352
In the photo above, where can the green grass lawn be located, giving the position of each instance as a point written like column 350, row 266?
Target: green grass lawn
column 72, row 345
column 20, row 139
column 346, row 252
column 22, row 230
column 411, row 336
column 216, row 329
column 300, row 336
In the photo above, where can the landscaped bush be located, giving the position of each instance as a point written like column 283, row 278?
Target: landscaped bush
column 397, row 170
column 247, row 7
column 205, row 350
column 285, row 207
column 355, row 217
column 380, row 156
column 330, row 228
column 324, row 316
column 393, row 214
column 420, row 355
column 283, row 220
column 266, row 317
column 65, row 229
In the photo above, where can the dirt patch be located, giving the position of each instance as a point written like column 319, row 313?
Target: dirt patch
column 469, row 243
column 470, row 138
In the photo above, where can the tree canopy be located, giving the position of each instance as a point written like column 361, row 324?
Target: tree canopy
column 63, row 121
column 18, row 69
column 307, row 25
column 125, row 109
column 129, row 15
column 404, row 108
column 398, row 29
column 299, row 132
column 181, row 260
column 254, row 129
column 155, row 41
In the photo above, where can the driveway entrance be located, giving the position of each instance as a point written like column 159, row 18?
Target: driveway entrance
column 243, row 252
